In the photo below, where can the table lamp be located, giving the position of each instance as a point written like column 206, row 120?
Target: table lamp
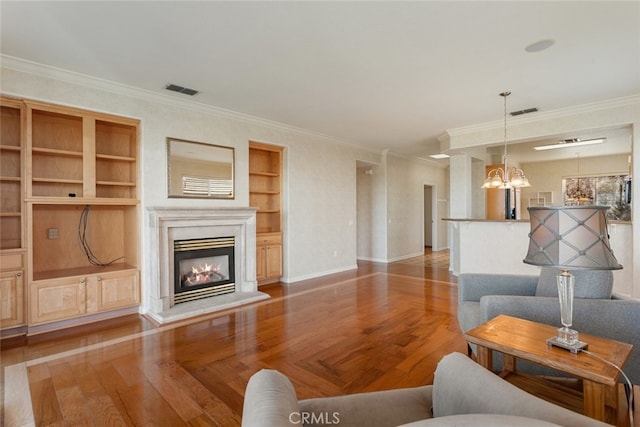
column 569, row 237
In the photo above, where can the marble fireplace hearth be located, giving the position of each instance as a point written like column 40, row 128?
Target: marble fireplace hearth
column 170, row 224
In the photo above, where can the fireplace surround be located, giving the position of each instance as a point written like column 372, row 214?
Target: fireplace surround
column 168, row 226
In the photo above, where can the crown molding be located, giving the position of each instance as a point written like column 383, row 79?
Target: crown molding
column 47, row 71
column 547, row 115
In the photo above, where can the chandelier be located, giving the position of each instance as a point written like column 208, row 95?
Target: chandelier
column 506, row 176
column 579, row 197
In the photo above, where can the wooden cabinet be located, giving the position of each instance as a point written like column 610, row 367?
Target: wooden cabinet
column 11, row 291
column 57, row 299
column 72, row 297
column 269, row 257
column 265, row 184
column 116, row 290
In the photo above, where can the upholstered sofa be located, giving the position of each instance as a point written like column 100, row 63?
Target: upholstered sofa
column 596, row 311
column 463, row 394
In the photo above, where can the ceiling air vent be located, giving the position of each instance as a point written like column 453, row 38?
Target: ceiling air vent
column 526, row 111
column 180, row 89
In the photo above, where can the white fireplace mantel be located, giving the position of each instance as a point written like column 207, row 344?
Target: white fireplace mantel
column 169, row 224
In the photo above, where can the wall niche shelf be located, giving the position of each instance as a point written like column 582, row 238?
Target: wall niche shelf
column 265, row 184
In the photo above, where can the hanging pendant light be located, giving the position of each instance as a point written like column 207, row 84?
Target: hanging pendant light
column 506, row 177
column 581, row 197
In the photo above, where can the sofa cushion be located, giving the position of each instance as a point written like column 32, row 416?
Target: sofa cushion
column 269, row 400
column 597, row 284
column 481, row 420
column 372, row 409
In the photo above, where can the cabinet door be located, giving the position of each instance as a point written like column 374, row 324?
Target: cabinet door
column 274, row 261
column 117, row 290
column 11, row 299
column 261, row 262
column 57, row 299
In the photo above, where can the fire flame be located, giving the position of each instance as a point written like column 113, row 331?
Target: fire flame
column 206, row 268
column 202, row 274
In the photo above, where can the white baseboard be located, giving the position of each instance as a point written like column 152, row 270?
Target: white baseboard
column 315, row 275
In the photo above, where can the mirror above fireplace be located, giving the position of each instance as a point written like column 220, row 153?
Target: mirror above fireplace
column 199, row 170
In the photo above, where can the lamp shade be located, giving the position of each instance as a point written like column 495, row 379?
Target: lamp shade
column 570, row 237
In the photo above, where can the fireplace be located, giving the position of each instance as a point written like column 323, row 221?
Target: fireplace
column 203, row 268
column 192, row 226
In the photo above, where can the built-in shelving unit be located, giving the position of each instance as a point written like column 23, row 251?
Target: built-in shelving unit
column 12, row 211
column 77, row 174
column 116, row 172
column 265, row 185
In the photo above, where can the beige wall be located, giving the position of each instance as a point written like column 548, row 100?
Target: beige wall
column 319, row 191
column 406, row 179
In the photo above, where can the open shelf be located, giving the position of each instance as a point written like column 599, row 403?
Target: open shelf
column 11, row 231
column 116, row 158
column 76, row 153
column 56, row 152
column 9, row 147
column 11, row 182
column 10, row 179
column 111, row 232
column 269, row 174
column 81, row 271
column 56, row 131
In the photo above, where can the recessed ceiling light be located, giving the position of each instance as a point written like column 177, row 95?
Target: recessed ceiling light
column 540, row 45
column 439, row 156
column 566, row 143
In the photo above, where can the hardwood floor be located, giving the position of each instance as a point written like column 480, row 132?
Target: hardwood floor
column 380, row 327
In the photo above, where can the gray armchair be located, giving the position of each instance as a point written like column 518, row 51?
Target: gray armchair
column 458, row 397
column 482, row 297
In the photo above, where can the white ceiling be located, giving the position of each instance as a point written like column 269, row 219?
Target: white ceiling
column 391, row 75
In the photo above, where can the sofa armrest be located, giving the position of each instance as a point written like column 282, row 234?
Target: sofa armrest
column 461, row 386
column 473, row 286
column 269, row 400
column 375, row 409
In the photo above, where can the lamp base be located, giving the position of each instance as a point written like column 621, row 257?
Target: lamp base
column 574, row 345
column 567, row 338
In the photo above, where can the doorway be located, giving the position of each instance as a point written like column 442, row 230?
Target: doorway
column 428, row 216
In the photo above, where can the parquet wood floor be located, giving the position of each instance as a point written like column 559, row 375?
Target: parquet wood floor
column 378, row 327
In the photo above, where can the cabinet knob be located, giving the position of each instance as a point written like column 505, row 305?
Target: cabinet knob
column 82, row 280
column 99, row 279
column 19, row 274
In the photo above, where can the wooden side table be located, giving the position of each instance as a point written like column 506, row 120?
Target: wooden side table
column 523, row 339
